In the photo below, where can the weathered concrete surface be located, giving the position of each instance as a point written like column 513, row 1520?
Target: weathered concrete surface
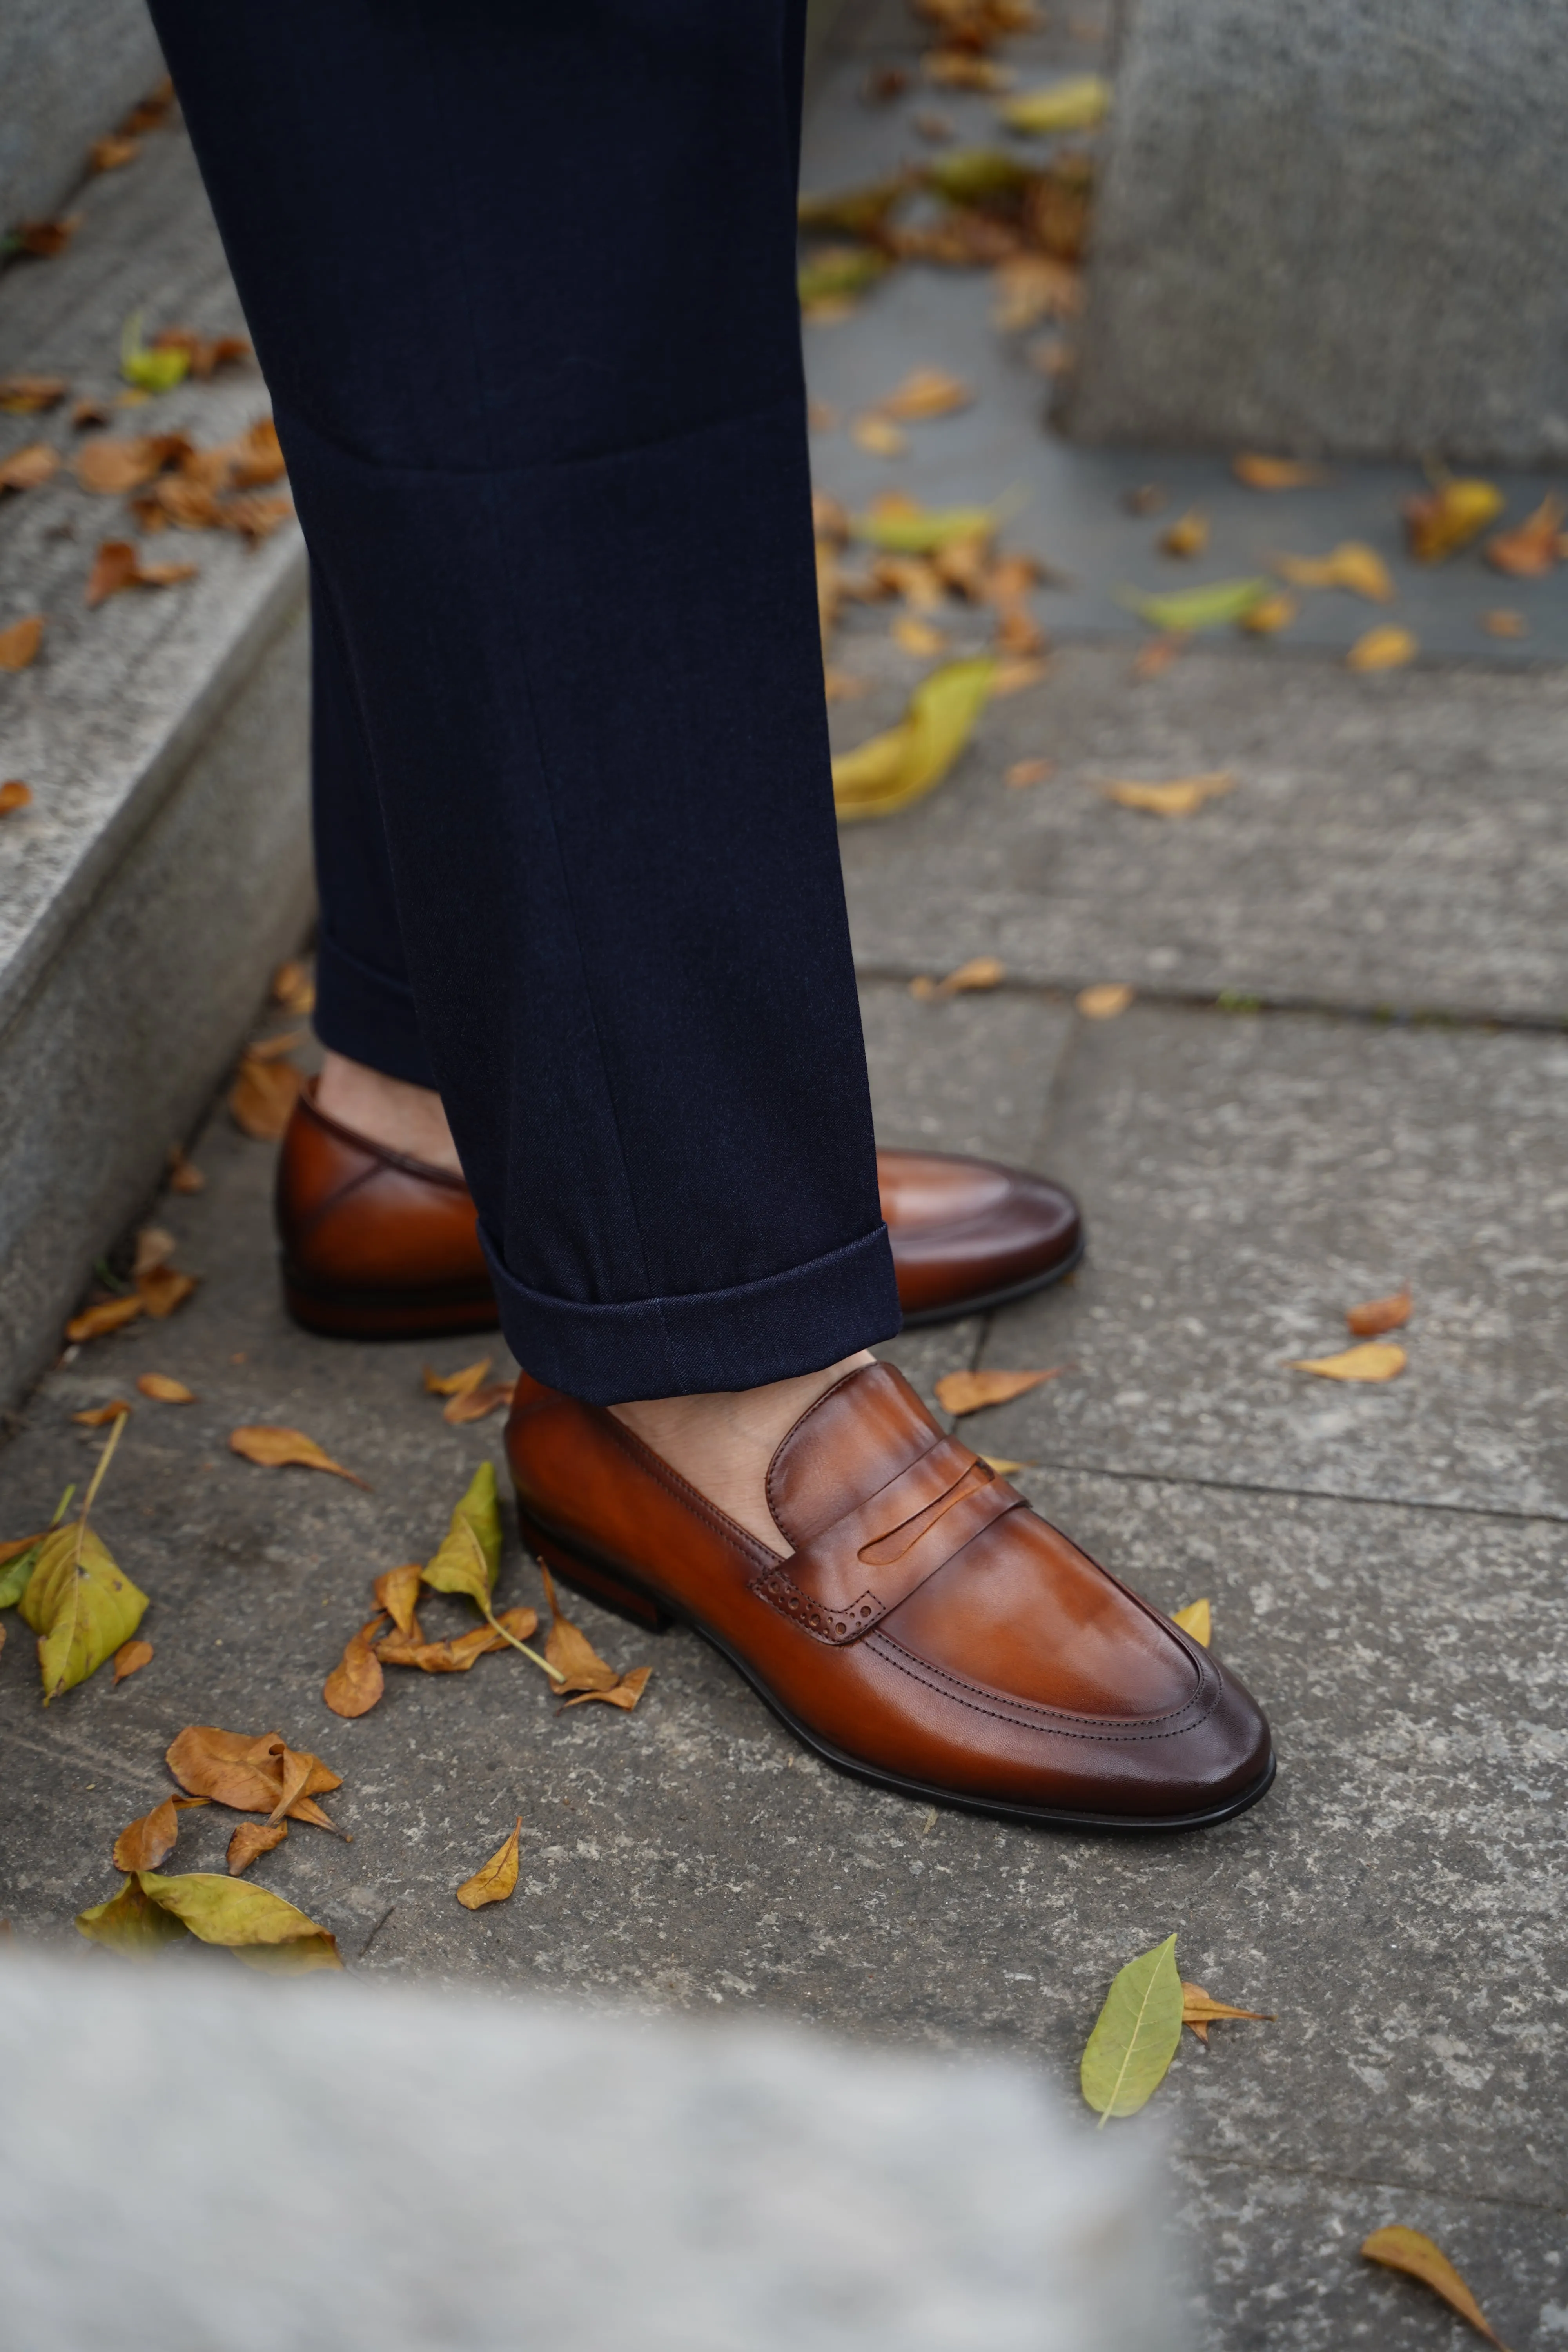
column 1337, row 230
column 1249, row 1179
column 161, row 868
column 1396, row 841
column 689, row 2189
column 69, row 70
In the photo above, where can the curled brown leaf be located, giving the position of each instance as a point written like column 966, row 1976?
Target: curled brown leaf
column 275, row 1448
column 355, row 1683
column 250, row 1841
column 397, row 1593
column 576, row 1662
column 99, row 1413
column 19, row 643
column 148, row 1841
column 164, row 1389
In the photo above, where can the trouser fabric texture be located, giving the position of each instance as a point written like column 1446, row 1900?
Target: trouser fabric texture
column 521, row 281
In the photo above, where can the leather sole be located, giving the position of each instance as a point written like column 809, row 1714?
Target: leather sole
column 982, row 1306
column 423, row 1313
column 588, row 1573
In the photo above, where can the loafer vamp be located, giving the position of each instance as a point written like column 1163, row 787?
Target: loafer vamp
column 967, row 1229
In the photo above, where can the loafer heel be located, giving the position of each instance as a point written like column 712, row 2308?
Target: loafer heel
column 611, row 1591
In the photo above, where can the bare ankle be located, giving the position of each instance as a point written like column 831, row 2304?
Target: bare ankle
column 722, row 1443
column 388, row 1111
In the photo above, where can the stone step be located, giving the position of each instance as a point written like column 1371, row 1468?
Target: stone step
column 162, row 867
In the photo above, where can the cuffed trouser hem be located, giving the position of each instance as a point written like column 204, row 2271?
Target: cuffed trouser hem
column 369, row 1015
column 770, row 1330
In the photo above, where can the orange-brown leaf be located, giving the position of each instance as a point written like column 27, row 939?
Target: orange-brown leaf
column 183, row 1175
column 1029, row 772
column 495, row 1881
column 623, row 1693
column 164, row 1387
column 117, row 565
column 163, row 1289
column 148, row 1841
column 293, row 988
column 1275, row 473
column 29, row 469
column 14, row 795
column 1375, row 1315
column 250, row 1841
column 249, row 462
column 254, row 1775
column 397, row 1593
column 24, row 396
column 355, row 1683
column 112, row 154
column 278, row 1449
column 1200, row 2010
column 451, row 1384
column 111, row 467
column 262, row 1098
column 478, row 1403
column 130, row 1658
column 1411, row 2250
column 1528, row 552
column 462, row 1651
column 94, row 1419
column 149, row 112
column 206, row 352
column 45, row 238
column 107, row 1315
column 19, row 644
column 959, row 1392
column 570, row 1653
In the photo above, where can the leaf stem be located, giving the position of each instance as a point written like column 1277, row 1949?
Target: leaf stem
column 496, row 1626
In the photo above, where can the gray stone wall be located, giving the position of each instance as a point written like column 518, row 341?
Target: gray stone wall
column 1339, row 229
column 69, row 71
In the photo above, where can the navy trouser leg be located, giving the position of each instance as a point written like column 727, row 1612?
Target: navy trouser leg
column 522, row 280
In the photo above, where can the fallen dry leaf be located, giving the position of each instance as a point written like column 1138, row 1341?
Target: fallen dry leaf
column 29, row 469
column 1500, row 621
column 962, row 69
column 149, row 1841
column 1275, row 473
column 112, row 467
column 1528, row 552
column 1154, row 659
column 1105, row 1000
column 1029, row 772
column 278, row 1449
column 1078, row 102
column 1183, row 796
column 87, row 411
column 80, row 1603
column 205, row 355
column 250, row 1841
column 1352, row 565
column 19, row 644
column 913, row 577
column 1388, row 648
column 1189, row 535
column 1200, row 2010
column 99, row 1414
column 475, row 1405
column 919, row 637
column 1004, row 1466
column 1184, row 610
column 397, row 1593
column 1269, row 615
column 130, row 1923
column 355, row 1683
column 113, row 153
column 1128, row 2054
column 117, row 565
column 1439, row 522
column 165, row 1289
column 1013, row 677
column 257, row 1926
column 961, row 1393
column 577, row 1664
column 184, row 1176
column 926, row 391
column 130, row 1658
column 1018, row 632
column 495, row 1881
column 1031, row 286
column 43, row 239
column 151, row 112
column 262, row 1098
column 108, row 1315
column 893, row 770
column 1375, row 1360
column 457, row 1656
column 1375, row 1315
column 164, row 1387
column 24, row 395
column 879, row 435
column 1411, row 2250
column 458, row 1383
column 624, row 1694
column 293, row 988
column 901, row 526
column 15, row 795
column 260, row 1774
column 155, row 1245
column 979, row 972
column 1196, row 1619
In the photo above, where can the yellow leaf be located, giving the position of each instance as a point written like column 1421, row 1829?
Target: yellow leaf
column 1441, row 520
column 1183, row 610
column 902, row 528
column 470, row 1557
column 1274, row 612
column 129, row 1924
column 495, row 1881
column 1003, row 1467
column 151, row 370
column 1411, row 2250
column 277, row 1449
column 1129, row 2053
column 78, row 1601
column 293, row 988
column 1076, row 103
column 1375, row 1315
column 961, row 1393
column 257, row 1926
column 108, row 1315
column 1375, row 1360
column 919, row 637
column 1275, row 473
column 896, row 769
column 164, row 1387
column 1196, row 1619
column 1181, row 797
column 1382, row 649
column 449, row 1384
column 261, row 1101
column 835, row 273
column 1189, row 535
column 1105, row 1000
column 879, row 435
column 980, row 971
column 397, row 1593
column 1200, row 2010
column 1352, row 565
column 926, row 391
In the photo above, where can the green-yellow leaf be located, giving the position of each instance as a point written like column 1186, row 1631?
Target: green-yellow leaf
column 18, row 1558
column 900, row 767
column 1076, row 104
column 1186, row 609
column 851, row 211
column 81, row 1604
column 469, row 1556
column 1135, row 2035
column 257, row 1926
column 130, row 1923
column 838, row 271
column 970, row 174
column 901, row 527
column 154, row 371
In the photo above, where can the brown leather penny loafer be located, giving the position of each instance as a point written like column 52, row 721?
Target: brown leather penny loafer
column 929, row 1630
column 377, row 1246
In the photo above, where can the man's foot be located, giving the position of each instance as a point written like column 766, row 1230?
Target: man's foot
column 909, row 1616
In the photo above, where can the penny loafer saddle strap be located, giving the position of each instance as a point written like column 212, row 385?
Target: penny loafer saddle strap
column 841, row 1584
